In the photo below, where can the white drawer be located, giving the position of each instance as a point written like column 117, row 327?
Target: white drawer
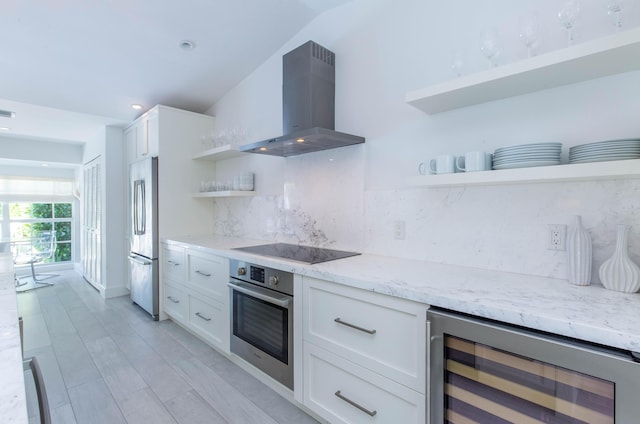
column 175, row 303
column 382, row 333
column 208, row 274
column 331, row 383
column 173, row 264
column 210, row 319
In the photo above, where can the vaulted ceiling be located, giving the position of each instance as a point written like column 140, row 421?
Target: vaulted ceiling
column 71, row 66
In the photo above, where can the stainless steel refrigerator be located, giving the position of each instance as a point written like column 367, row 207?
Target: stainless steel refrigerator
column 143, row 255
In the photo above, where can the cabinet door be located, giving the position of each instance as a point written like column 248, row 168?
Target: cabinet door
column 175, row 303
column 210, row 320
column 382, row 333
column 151, row 143
column 345, row 393
column 142, row 138
column 208, row 274
column 173, row 265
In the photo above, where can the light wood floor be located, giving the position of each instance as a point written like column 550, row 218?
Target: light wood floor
column 108, row 362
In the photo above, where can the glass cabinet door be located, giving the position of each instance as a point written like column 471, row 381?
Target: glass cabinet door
column 488, row 385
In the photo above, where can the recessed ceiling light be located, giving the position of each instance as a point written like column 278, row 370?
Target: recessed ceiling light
column 262, row 149
column 136, row 106
column 187, row 45
column 45, row 164
column 300, row 140
column 4, row 128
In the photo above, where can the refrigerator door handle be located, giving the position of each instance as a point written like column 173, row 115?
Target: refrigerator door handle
column 139, row 261
column 139, row 218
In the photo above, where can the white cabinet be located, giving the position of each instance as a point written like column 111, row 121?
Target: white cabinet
column 362, row 351
column 142, row 138
column 210, row 320
column 208, row 274
column 344, row 392
column 195, row 294
column 173, row 277
column 173, row 264
column 174, row 300
column 174, row 135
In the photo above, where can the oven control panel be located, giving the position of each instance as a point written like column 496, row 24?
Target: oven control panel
column 274, row 279
column 256, row 274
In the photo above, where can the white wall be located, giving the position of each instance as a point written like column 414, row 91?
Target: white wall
column 109, row 144
column 350, row 197
column 26, row 149
column 114, row 270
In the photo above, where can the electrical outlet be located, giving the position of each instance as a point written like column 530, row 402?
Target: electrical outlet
column 399, row 230
column 556, row 236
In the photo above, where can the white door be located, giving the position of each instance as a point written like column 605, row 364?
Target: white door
column 91, row 223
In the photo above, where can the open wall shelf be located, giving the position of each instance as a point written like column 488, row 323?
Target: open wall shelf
column 601, row 57
column 557, row 173
column 229, row 193
column 218, row 153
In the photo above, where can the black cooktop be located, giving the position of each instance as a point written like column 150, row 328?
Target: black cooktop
column 307, row 254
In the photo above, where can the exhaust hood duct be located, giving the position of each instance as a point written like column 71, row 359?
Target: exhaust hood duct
column 308, row 106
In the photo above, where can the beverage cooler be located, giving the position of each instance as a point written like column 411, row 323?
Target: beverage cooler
column 484, row 371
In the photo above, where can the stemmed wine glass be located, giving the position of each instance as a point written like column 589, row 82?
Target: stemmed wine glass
column 490, row 46
column 568, row 16
column 529, row 32
column 457, row 63
column 614, row 7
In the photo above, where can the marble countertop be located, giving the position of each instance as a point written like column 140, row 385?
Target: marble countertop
column 589, row 313
column 13, row 402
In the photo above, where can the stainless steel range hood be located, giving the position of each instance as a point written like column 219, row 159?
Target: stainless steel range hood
column 308, row 106
column 305, row 141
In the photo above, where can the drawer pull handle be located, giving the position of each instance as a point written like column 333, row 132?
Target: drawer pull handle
column 206, row 274
column 352, row 403
column 199, row 315
column 172, row 299
column 174, row 263
column 339, row 321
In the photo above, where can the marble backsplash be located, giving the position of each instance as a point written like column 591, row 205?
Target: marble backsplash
column 494, row 227
column 320, row 203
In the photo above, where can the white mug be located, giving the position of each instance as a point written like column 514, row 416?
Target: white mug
column 443, row 164
column 423, row 168
column 474, row 161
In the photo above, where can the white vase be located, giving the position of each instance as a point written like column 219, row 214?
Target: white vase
column 579, row 257
column 619, row 272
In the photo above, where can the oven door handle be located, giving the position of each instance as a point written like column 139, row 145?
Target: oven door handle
column 283, row 302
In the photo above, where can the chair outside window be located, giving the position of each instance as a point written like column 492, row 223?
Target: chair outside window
column 35, row 250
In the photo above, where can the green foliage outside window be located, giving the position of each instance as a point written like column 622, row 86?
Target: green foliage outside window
column 62, row 210
column 46, row 212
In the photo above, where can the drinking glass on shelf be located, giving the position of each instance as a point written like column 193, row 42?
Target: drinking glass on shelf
column 529, row 32
column 568, row 16
column 614, row 8
column 223, row 137
column 457, row 63
column 490, row 46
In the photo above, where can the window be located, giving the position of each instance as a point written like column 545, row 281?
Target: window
column 26, row 220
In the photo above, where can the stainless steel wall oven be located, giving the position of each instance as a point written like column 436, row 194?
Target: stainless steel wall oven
column 262, row 318
column 487, row 372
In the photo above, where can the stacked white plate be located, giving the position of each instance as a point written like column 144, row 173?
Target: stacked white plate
column 605, row 150
column 527, row 155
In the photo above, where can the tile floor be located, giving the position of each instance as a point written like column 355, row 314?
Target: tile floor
column 107, row 362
